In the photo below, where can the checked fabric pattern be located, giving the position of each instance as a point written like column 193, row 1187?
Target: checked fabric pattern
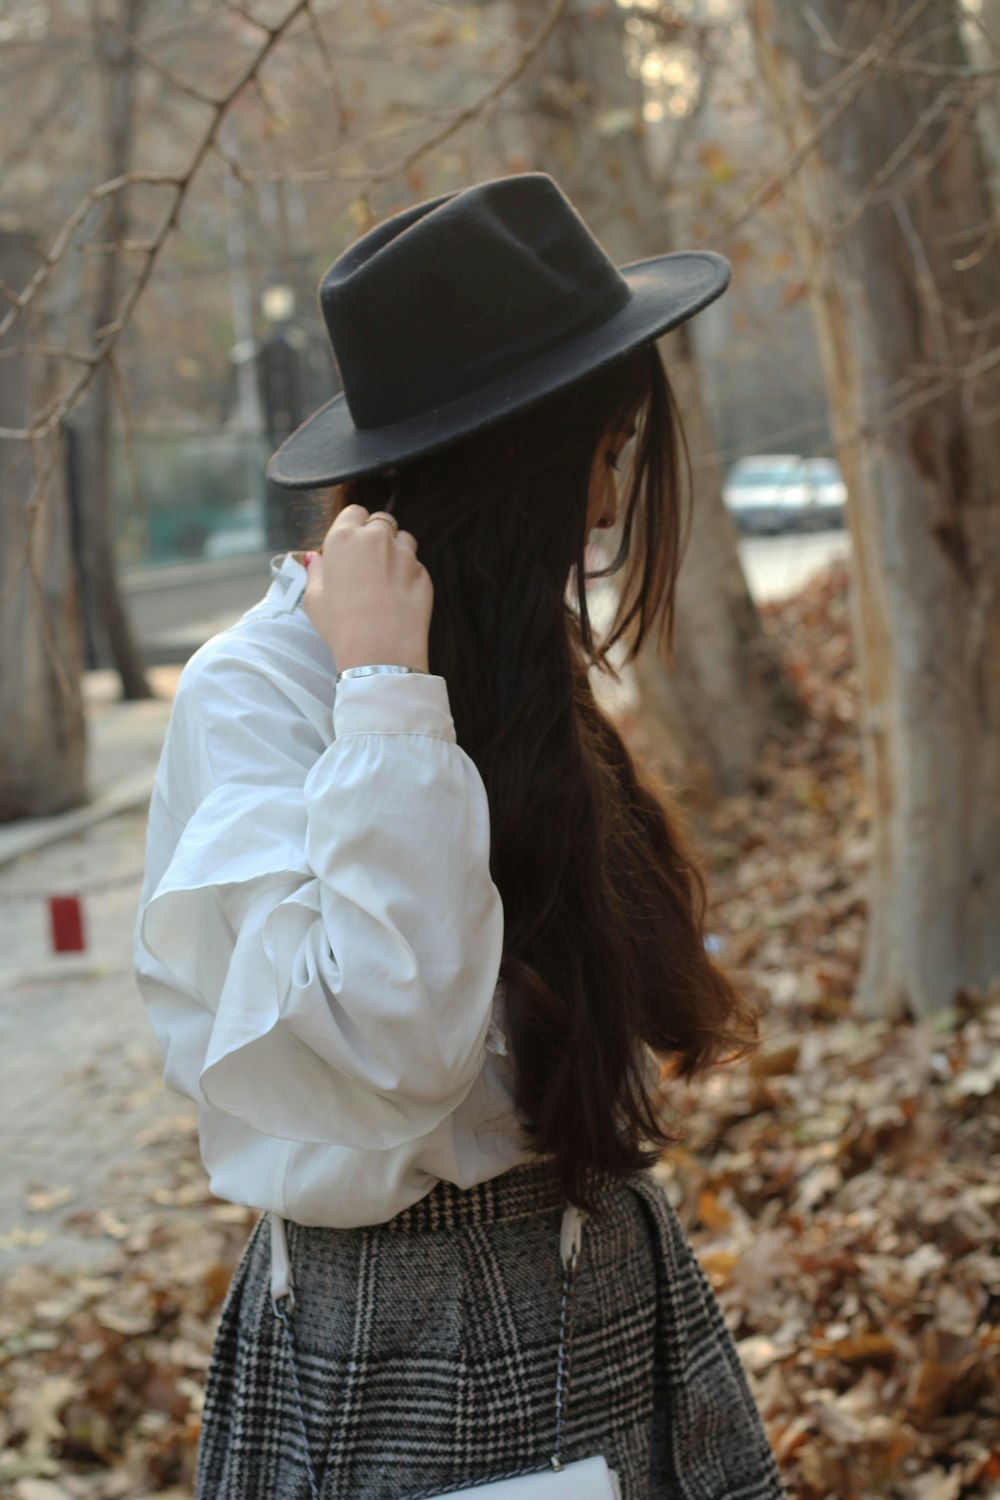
column 427, row 1348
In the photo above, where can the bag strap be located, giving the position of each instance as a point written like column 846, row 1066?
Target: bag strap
column 283, row 1302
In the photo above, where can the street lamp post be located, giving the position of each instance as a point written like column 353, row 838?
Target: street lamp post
column 282, row 396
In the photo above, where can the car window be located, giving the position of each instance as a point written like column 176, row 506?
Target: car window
column 765, row 476
column 823, row 468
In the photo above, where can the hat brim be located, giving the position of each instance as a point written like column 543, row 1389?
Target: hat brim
column 666, row 290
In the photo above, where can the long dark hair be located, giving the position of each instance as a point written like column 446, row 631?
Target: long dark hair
column 606, row 980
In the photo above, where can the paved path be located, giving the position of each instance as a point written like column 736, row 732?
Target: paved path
column 87, row 1130
column 776, row 566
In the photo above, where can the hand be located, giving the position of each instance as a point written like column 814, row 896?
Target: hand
column 367, row 594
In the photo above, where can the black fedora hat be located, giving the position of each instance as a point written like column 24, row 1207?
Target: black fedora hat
column 462, row 310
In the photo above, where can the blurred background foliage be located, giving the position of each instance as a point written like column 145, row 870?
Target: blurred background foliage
column 339, row 105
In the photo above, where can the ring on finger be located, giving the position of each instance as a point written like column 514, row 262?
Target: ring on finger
column 383, row 515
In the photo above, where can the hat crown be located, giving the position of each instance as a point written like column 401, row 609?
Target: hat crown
column 457, row 292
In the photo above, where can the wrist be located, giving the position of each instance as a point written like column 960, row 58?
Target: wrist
column 374, row 669
column 348, row 660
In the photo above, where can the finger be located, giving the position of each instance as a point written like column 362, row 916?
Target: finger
column 352, row 516
column 408, row 540
column 379, row 525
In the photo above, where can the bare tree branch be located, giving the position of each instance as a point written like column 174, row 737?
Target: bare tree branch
column 937, row 107
column 62, row 95
column 210, row 100
column 48, row 351
column 556, row 12
column 956, row 72
column 776, row 180
column 181, row 185
column 51, row 257
column 990, row 238
column 326, row 62
column 118, row 247
column 844, row 88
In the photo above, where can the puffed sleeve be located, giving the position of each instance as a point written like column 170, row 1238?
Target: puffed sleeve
column 325, row 937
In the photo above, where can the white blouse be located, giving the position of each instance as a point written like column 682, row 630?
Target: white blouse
column 318, row 938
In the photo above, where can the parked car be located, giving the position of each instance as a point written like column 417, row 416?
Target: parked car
column 764, row 492
column 827, row 506
column 774, row 492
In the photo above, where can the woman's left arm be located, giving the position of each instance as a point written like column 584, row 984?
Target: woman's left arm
column 320, row 953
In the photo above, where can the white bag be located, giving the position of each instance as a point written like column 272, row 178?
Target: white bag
column 584, row 1479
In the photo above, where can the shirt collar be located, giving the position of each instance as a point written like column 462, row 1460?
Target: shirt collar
column 288, row 580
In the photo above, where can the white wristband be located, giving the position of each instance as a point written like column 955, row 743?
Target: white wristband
column 369, row 671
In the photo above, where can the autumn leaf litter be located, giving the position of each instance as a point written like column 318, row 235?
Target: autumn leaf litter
column 841, row 1187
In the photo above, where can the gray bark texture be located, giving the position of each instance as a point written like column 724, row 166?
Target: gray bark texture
column 888, row 207
column 118, row 66
column 42, row 727
column 710, row 709
column 983, row 33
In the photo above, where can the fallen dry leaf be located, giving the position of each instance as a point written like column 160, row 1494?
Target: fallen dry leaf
column 43, row 1200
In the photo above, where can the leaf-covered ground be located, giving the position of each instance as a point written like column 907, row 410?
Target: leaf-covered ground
column 841, row 1188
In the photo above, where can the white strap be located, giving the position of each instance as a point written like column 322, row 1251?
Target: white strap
column 281, row 1270
column 571, row 1233
column 589, row 1478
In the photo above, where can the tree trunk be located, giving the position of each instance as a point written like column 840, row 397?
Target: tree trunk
column 118, row 65
column 710, row 709
column 908, row 336
column 42, row 727
column 983, row 31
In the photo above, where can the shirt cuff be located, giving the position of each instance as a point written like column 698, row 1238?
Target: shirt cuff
column 393, row 703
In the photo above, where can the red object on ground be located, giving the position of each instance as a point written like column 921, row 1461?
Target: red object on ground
column 67, row 924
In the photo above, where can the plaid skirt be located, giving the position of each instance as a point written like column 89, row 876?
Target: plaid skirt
column 426, row 1354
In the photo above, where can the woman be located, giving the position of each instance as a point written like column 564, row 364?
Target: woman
column 415, row 932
